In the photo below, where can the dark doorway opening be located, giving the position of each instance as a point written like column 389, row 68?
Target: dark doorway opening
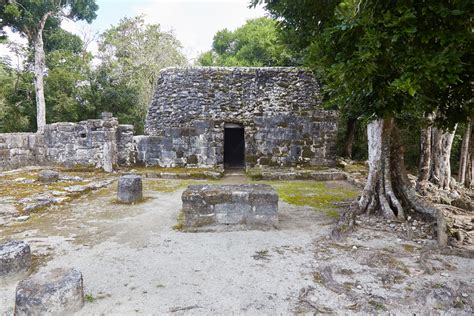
column 234, row 146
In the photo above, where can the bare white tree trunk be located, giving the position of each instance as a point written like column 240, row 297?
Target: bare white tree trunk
column 388, row 184
column 425, row 156
column 39, row 68
column 441, row 144
column 464, row 158
column 378, row 192
column 470, row 168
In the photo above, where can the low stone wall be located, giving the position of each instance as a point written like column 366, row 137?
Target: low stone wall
column 21, row 149
column 99, row 143
column 72, row 144
column 254, row 204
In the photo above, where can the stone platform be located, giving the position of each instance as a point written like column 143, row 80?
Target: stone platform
column 253, row 204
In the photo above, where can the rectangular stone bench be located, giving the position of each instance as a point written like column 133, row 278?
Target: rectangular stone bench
column 254, row 204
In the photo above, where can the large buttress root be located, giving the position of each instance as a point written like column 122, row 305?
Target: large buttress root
column 378, row 193
column 388, row 189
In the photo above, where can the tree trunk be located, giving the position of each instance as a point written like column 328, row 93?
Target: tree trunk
column 351, row 125
column 470, row 165
column 441, row 143
column 464, row 157
column 388, row 186
column 39, row 68
column 378, row 192
column 425, row 157
column 470, row 172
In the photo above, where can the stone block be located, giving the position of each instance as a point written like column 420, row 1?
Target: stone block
column 130, row 189
column 48, row 176
column 15, row 258
column 56, row 292
column 205, row 204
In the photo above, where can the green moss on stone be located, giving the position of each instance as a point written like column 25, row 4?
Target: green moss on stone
column 317, row 194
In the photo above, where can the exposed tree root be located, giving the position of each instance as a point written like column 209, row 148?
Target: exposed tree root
column 345, row 223
column 388, row 189
column 446, row 251
column 303, row 299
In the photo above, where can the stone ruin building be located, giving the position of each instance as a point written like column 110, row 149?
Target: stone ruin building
column 236, row 117
column 208, row 117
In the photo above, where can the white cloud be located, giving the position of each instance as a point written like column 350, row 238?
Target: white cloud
column 196, row 22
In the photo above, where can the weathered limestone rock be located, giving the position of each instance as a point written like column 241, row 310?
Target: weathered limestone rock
column 205, row 204
column 130, row 188
column 15, row 258
column 108, row 156
column 55, row 292
column 48, row 176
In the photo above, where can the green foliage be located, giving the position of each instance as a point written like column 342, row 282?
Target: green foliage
column 257, row 43
column 17, row 100
column 30, row 19
column 400, row 58
column 24, row 16
column 66, row 86
column 89, row 298
column 59, row 39
column 132, row 55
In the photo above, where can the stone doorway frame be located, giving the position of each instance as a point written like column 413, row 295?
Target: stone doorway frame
column 226, row 163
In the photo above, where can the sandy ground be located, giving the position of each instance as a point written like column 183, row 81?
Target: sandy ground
column 133, row 262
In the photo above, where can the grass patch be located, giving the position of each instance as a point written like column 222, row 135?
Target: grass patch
column 89, row 298
column 377, row 305
column 19, row 185
column 316, row 194
column 356, row 167
column 409, row 248
column 165, row 186
column 180, row 222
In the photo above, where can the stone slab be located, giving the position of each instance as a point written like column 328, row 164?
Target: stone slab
column 15, row 258
column 55, row 292
column 206, row 204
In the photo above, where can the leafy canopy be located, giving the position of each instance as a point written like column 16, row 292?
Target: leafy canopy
column 24, row 16
column 381, row 58
column 256, row 43
column 132, row 54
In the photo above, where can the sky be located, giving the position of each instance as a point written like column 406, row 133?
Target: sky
column 194, row 22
